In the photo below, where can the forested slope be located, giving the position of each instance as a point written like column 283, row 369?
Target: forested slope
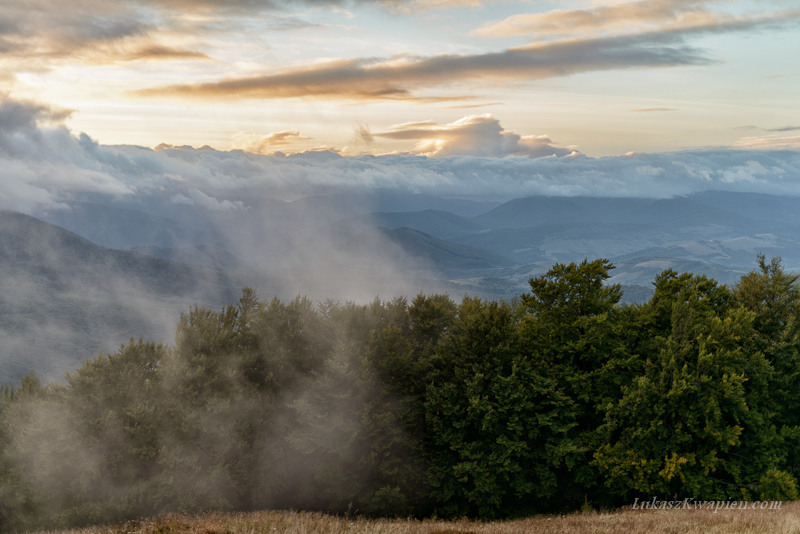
column 64, row 298
column 485, row 409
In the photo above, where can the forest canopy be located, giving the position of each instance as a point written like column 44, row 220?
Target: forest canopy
column 561, row 399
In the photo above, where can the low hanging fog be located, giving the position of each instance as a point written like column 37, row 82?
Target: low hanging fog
column 142, row 234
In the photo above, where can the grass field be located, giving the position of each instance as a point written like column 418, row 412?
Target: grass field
column 786, row 520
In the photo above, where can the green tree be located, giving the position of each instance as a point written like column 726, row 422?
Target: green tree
column 773, row 296
column 691, row 425
column 585, row 342
column 20, row 500
column 498, row 430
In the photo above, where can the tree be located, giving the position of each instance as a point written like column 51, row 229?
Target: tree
column 584, row 342
column 498, row 430
column 20, row 500
column 692, row 424
column 773, row 296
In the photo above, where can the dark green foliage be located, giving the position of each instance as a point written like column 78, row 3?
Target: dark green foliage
column 584, row 342
column 497, row 427
column 698, row 421
column 561, row 399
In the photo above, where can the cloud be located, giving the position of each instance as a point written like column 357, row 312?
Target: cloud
column 155, row 52
column 20, row 123
column 396, row 78
column 784, row 129
column 615, row 19
column 471, row 106
column 264, row 144
column 774, row 143
column 651, row 110
column 249, row 6
column 362, row 134
column 46, row 167
column 413, row 6
column 43, row 163
column 403, row 77
column 476, row 135
column 37, row 33
column 40, row 33
column 194, row 197
column 534, row 146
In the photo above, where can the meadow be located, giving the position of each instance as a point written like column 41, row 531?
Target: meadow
column 624, row 520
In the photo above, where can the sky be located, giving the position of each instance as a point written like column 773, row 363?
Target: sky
column 208, row 100
column 600, row 77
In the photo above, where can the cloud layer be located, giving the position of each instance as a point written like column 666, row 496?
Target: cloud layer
column 616, row 18
column 399, row 78
column 628, row 35
column 45, row 166
column 476, row 135
column 40, row 32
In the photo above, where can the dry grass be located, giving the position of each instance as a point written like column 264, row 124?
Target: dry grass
column 786, row 520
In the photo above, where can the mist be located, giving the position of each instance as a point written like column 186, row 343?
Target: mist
column 257, row 405
column 47, row 167
column 308, row 224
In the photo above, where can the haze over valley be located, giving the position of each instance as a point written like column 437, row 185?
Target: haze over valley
column 447, row 259
column 353, row 150
column 88, row 276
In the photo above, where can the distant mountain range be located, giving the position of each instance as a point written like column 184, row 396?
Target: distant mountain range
column 64, row 296
column 713, row 232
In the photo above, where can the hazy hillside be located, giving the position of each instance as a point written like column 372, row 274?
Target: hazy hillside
column 534, row 211
column 423, row 252
column 124, row 228
column 716, row 233
column 441, row 224
column 253, row 228
column 339, row 205
column 205, row 255
column 64, row 299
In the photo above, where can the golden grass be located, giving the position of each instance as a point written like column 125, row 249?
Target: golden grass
column 786, row 520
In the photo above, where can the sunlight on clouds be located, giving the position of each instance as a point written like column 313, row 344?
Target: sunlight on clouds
column 414, row 6
column 775, row 143
column 396, row 79
column 215, row 71
column 266, row 144
column 46, row 166
column 645, row 15
column 475, row 135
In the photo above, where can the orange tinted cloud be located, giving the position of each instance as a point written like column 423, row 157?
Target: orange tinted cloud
column 277, row 5
column 475, row 135
column 266, row 144
column 398, row 78
column 646, row 15
column 774, row 143
column 37, row 33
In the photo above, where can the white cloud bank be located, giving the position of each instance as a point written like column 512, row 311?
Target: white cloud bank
column 43, row 166
column 476, row 135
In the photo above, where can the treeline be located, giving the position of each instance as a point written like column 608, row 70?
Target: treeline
column 560, row 400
